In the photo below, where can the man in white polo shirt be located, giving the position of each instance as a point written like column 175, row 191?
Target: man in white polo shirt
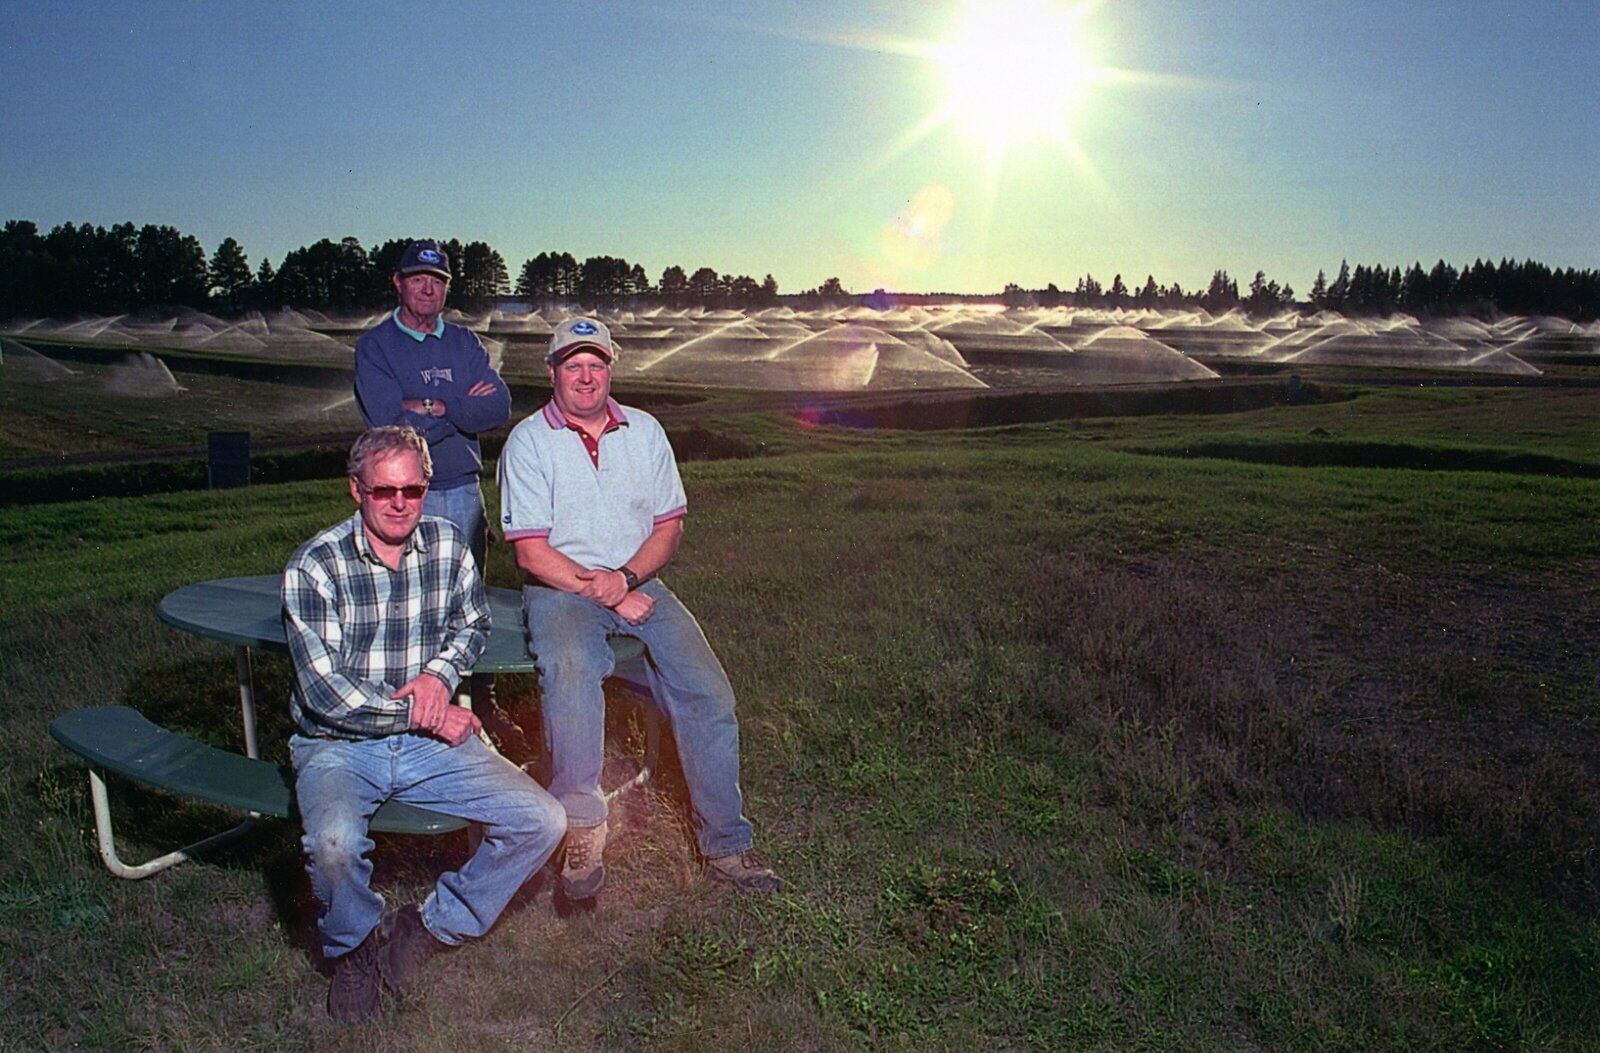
column 593, row 505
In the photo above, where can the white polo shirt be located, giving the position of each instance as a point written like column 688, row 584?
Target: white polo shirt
column 596, row 512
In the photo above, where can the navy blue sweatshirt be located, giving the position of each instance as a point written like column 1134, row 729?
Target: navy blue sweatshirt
column 392, row 366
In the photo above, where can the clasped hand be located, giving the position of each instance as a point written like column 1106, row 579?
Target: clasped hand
column 609, row 588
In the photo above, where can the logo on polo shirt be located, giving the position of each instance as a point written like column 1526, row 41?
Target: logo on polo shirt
column 584, row 329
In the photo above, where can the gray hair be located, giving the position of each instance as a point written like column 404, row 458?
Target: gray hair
column 379, row 443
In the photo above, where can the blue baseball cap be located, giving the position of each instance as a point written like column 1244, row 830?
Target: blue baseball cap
column 424, row 257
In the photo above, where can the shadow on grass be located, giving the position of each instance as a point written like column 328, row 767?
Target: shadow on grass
column 1332, row 454
column 997, row 409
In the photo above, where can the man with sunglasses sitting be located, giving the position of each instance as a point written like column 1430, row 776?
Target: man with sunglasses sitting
column 385, row 613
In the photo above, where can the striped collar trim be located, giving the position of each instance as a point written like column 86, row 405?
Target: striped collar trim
column 558, row 420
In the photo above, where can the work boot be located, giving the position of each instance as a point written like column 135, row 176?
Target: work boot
column 407, row 947
column 583, row 868
column 745, row 871
column 353, row 994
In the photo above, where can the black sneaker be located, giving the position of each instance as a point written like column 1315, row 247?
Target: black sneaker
column 583, row 868
column 353, row 994
column 406, row 949
column 744, row 870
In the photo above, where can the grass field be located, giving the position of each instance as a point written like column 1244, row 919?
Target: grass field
column 1064, row 740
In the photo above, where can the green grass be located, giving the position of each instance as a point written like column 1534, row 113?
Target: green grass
column 1061, row 746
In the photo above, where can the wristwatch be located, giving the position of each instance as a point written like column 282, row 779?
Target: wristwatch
column 630, row 577
column 427, row 407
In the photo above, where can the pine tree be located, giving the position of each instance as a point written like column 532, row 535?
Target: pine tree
column 1319, row 291
column 229, row 275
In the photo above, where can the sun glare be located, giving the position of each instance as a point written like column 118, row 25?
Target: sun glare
column 1015, row 69
column 1010, row 76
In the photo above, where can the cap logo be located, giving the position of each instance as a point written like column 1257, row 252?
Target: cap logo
column 584, row 329
column 428, row 256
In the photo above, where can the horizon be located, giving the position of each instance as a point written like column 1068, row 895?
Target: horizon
column 1170, row 144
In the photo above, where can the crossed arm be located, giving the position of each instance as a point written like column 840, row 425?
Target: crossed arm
column 379, row 397
column 437, row 408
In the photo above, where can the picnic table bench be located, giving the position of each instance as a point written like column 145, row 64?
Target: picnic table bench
column 120, row 740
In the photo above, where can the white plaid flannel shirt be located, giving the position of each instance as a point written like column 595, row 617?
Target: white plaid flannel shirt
column 358, row 630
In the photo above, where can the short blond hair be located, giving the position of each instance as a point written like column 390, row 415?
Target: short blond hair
column 386, row 441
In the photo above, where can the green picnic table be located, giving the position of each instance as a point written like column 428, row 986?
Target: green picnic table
column 248, row 613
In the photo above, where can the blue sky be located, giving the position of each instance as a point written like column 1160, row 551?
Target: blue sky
column 762, row 137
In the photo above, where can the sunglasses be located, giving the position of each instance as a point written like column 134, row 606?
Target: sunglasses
column 386, row 493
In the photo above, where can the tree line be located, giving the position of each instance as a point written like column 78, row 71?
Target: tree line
column 1480, row 289
column 557, row 277
column 79, row 268
column 76, row 269
column 1221, row 295
column 1483, row 289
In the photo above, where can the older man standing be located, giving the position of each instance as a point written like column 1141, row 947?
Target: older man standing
column 592, row 502
column 384, row 614
column 416, row 370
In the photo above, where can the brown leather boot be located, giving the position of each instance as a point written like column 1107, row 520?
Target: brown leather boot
column 407, row 947
column 353, row 994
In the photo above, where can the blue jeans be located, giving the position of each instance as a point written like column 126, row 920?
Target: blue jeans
column 463, row 506
column 567, row 635
column 339, row 785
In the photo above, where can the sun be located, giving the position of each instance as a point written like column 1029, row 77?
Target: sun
column 1015, row 70
column 1018, row 80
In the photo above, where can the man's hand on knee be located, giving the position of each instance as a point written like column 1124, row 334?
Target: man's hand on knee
column 636, row 607
column 430, row 701
column 458, row 725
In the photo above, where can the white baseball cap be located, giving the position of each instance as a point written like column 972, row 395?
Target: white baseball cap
column 580, row 334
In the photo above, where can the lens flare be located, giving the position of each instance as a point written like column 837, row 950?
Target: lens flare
column 914, row 239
